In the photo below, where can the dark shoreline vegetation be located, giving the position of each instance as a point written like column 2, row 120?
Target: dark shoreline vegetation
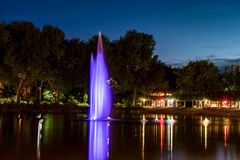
column 119, row 112
column 40, row 66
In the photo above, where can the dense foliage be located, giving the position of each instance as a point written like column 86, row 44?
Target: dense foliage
column 42, row 65
column 196, row 79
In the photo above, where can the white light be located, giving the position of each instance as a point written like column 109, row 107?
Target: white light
column 205, row 122
column 170, row 100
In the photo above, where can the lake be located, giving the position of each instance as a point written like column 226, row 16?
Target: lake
column 69, row 137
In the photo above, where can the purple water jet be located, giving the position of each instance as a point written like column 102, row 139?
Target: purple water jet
column 100, row 93
column 98, row 140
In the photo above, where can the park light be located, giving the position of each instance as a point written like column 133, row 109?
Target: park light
column 162, row 100
column 225, row 103
column 171, row 100
column 205, row 100
column 144, row 100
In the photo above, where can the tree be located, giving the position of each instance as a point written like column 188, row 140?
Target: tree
column 31, row 55
column 197, row 79
column 134, row 53
column 73, row 60
column 21, row 53
column 73, row 65
column 52, row 39
column 4, row 40
column 156, row 77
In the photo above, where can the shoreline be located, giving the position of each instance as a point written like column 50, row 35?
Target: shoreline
column 185, row 111
column 116, row 111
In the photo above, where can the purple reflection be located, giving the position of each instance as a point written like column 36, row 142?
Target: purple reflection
column 100, row 93
column 98, row 140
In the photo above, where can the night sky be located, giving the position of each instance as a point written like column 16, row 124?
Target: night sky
column 183, row 30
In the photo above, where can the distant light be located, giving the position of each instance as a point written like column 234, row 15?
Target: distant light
column 225, row 102
column 161, row 100
column 171, row 100
column 206, row 122
column 205, row 99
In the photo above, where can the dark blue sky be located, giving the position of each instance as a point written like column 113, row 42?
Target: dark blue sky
column 183, row 30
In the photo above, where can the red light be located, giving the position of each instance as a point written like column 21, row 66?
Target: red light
column 225, row 102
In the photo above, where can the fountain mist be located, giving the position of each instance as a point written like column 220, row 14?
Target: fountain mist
column 100, row 94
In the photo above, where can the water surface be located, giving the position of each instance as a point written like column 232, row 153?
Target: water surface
column 68, row 137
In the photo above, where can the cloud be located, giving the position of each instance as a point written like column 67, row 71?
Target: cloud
column 221, row 63
column 176, row 63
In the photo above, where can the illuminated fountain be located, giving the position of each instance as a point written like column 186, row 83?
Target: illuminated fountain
column 100, row 106
column 100, row 93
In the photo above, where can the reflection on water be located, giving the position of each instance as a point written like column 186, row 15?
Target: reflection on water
column 205, row 123
column 19, row 124
column 63, row 137
column 39, row 135
column 226, row 133
column 161, row 138
column 143, row 138
column 170, row 140
column 98, row 140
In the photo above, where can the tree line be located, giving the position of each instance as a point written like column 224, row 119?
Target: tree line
column 36, row 62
